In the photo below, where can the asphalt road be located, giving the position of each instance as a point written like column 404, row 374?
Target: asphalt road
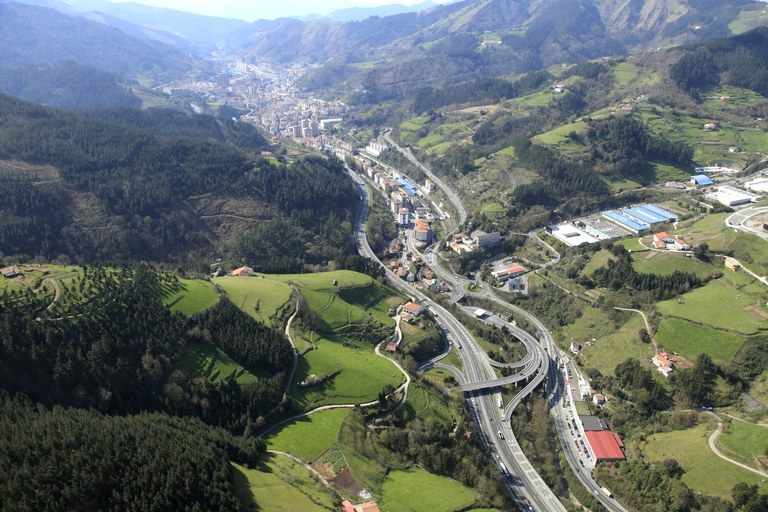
column 522, row 481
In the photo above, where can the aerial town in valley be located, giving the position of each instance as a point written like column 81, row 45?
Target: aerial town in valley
column 380, row 262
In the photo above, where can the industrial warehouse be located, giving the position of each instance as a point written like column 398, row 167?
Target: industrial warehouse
column 611, row 224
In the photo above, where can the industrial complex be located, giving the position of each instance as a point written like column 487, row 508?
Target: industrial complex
column 611, row 224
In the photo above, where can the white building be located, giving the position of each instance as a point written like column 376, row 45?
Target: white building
column 758, row 185
column 483, row 239
column 374, row 148
column 732, row 196
column 404, row 217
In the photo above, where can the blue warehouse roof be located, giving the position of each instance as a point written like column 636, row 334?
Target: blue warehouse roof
column 659, row 211
column 626, row 221
column 701, row 179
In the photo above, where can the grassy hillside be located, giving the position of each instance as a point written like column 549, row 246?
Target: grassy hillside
column 282, row 485
column 338, row 325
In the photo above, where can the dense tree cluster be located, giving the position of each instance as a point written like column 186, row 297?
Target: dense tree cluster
column 482, row 90
column 636, row 384
column 741, row 61
column 114, row 349
column 250, row 343
column 620, row 274
column 695, row 386
column 561, row 178
column 80, row 460
column 66, row 85
column 622, row 145
column 136, row 171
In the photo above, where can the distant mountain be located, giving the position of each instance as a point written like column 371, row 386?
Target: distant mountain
column 360, row 13
column 31, row 36
column 66, row 85
column 203, row 33
column 476, row 38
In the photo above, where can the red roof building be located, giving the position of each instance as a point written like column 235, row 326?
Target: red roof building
column 606, row 445
column 412, row 308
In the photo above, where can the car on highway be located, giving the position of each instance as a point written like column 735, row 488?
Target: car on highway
column 501, row 436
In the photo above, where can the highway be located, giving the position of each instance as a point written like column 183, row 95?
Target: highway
column 525, row 485
column 523, row 481
column 452, row 197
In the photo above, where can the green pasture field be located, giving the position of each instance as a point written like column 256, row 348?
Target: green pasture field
column 510, row 151
column 620, row 183
column 362, row 375
column 310, row 436
column 324, row 280
column 280, row 485
column 616, row 347
column 627, row 73
column 415, row 123
column 689, row 340
column 368, row 471
column 593, row 323
column 441, row 148
column 718, row 304
column 493, row 209
column 632, row 244
column 705, row 472
column 454, row 130
column 430, row 140
column 335, row 312
column 559, row 134
column 190, row 296
column 536, row 99
column 209, row 361
column 745, row 442
column 749, row 19
column 598, row 260
column 437, row 376
column 417, row 490
column 665, row 263
column 375, row 299
column 664, row 172
column 258, row 296
column 427, row 403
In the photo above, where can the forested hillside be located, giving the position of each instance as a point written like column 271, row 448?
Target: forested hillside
column 162, row 185
column 66, row 85
column 92, row 385
column 32, row 35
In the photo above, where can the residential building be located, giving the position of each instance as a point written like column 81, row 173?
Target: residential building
column 243, row 271
column 598, row 399
column 483, row 239
column 575, row 347
column 429, row 185
column 404, row 217
column 412, row 308
column 663, row 364
column 421, row 231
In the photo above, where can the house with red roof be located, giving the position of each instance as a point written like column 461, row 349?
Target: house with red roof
column 243, row 271
column 412, row 308
column 663, row 364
